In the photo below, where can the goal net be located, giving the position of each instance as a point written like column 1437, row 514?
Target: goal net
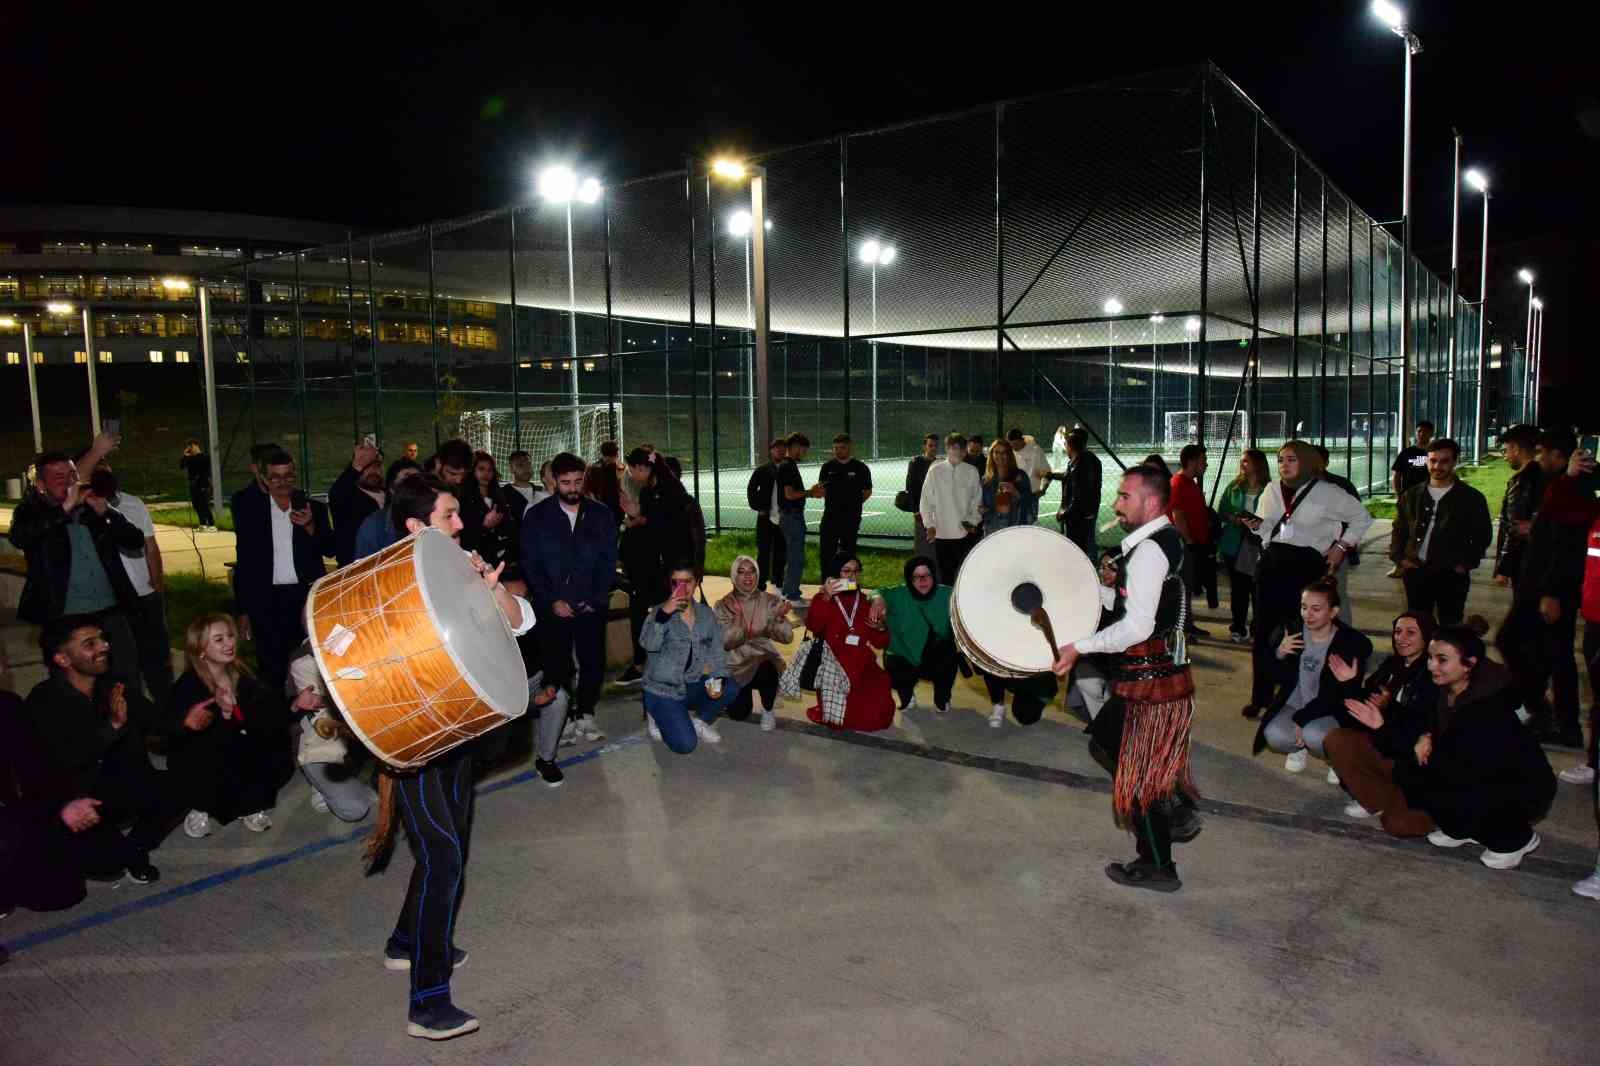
column 542, row 432
column 1183, row 427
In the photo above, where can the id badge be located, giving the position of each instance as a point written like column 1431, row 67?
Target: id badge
column 852, row 640
column 1285, row 531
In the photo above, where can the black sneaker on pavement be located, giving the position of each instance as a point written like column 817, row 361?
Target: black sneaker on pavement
column 631, row 676
column 1142, row 873
column 550, row 772
column 440, row 1022
column 143, row 874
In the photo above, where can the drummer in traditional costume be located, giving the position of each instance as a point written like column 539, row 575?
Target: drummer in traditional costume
column 435, row 805
column 1142, row 734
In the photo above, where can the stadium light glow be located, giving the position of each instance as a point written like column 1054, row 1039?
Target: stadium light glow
column 889, row 252
column 558, row 184
column 869, row 252
column 1525, row 276
column 1538, row 304
column 1476, row 179
column 588, row 191
column 1158, row 318
column 1113, row 306
column 58, row 307
column 1192, row 325
column 731, row 169
column 739, row 224
column 7, row 322
column 1389, row 14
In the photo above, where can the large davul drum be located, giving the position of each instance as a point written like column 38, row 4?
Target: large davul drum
column 1003, row 580
column 416, row 654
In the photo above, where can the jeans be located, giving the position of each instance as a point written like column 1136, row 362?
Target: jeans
column 770, row 552
column 1442, row 593
column 200, row 496
column 436, row 810
column 672, row 716
column 1281, row 739
column 1081, row 532
column 349, row 797
column 278, row 628
column 923, row 545
column 793, row 525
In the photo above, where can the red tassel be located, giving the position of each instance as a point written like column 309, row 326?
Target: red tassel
column 1154, row 758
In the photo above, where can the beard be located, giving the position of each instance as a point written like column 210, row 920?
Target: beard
column 571, row 497
column 1126, row 524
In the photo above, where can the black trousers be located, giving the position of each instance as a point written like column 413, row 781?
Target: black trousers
column 127, row 786
column 644, row 569
column 278, row 628
column 1540, row 656
column 200, row 496
column 1081, row 532
column 149, row 622
column 229, row 772
column 765, row 682
column 1152, row 826
column 436, row 810
column 939, row 660
column 1242, row 589
column 835, row 537
column 1282, row 572
column 771, row 553
column 1441, row 593
column 952, row 553
column 1026, row 709
column 584, row 636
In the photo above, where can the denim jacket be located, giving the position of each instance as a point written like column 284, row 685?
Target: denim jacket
column 677, row 653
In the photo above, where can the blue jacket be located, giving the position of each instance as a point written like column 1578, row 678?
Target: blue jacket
column 561, row 561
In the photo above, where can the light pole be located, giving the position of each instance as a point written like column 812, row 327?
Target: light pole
column 1455, row 274
column 734, row 170
column 875, row 254
column 33, row 381
column 1394, row 18
column 559, row 185
column 1538, row 354
column 1476, row 179
column 1113, row 306
column 739, row 225
column 1526, row 277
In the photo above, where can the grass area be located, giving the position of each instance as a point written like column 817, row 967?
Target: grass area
column 1489, row 478
column 184, row 518
column 880, row 567
column 188, row 597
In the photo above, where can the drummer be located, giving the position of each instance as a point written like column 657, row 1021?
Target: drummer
column 1142, row 734
column 436, row 806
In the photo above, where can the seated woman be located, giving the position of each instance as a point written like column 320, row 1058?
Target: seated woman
column 1007, row 491
column 921, row 645
column 230, row 748
column 1309, row 691
column 1474, row 775
column 840, row 617
column 686, row 668
column 1402, row 690
column 754, row 622
column 327, row 758
column 1029, row 697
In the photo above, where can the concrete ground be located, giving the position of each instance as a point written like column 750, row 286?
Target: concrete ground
column 930, row 894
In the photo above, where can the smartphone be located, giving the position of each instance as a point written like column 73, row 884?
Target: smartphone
column 112, row 426
column 1590, row 445
column 299, row 500
column 1248, row 515
column 370, row 441
column 680, row 589
column 847, row 585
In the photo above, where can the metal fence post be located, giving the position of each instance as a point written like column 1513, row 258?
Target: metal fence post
column 433, row 340
column 694, row 363
column 1322, row 334
column 1205, row 261
column 300, row 376
column 1294, row 336
column 1349, row 331
column 612, row 430
column 844, row 269
column 209, row 366
column 1253, row 365
column 999, row 270
column 712, row 351
column 91, row 359
column 516, row 392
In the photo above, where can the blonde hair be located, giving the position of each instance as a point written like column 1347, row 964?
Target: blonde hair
column 1001, row 445
column 194, row 646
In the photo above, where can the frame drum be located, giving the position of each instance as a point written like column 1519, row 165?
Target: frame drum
column 1006, row 575
column 414, row 649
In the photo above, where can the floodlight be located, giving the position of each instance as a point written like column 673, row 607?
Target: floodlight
column 1192, row 325
column 7, row 322
column 1389, row 14
column 870, row 251
column 1113, row 306
column 1538, row 304
column 731, row 169
column 1158, row 318
column 739, row 223
column 1476, row 179
column 588, row 191
column 558, row 184
column 1525, row 276
column 889, row 252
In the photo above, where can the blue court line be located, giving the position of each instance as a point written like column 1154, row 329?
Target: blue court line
column 216, row 880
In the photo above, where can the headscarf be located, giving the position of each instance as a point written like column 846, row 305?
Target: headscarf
column 911, row 567
column 1310, row 462
column 733, row 572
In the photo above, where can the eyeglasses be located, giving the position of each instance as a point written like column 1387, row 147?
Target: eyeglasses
column 280, row 479
column 854, row 571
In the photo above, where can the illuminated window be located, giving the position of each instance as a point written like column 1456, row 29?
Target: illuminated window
column 105, row 357
column 216, row 253
column 180, row 357
column 38, row 357
column 118, row 248
column 13, row 359
column 155, row 356
column 66, row 248
column 79, row 357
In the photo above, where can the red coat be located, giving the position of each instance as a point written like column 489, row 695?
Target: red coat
column 871, row 703
column 1590, row 607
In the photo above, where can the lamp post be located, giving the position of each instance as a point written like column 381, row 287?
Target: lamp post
column 734, row 170
column 1476, row 179
column 1394, row 18
column 1538, row 355
column 875, row 254
column 33, row 382
column 1526, row 277
column 1113, row 306
column 739, row 225
column 559, row 185
column 1455, row 273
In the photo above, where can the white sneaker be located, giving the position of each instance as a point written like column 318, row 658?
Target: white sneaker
column 655, row 730
column 569, row 732
column 197, row 824
column 1577, row 775
column 1589, row 887
column 1509, row 860
column 997, row 716
column 911, row 704
column 319, row 802
column 588, row 730
column 1355, row 810
column 1440, row 839
column 941, row 709
column 258, row 822
column 707, row 732
column 1333, row 776
column 1295, row 761
column 769, row 721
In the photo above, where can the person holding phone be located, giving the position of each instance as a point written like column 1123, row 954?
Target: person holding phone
column 1238, row 546
column 282, row 539
column 842, row 617
column 686, row 678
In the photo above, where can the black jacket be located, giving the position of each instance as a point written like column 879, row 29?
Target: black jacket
column 916, row 474
column 1349, row 644
column 1462, row 528
column 39, row 531
column 1410, row 711
column 349, row 506
column 1558, row 543
column 758, row 490
column 77, row 731
column 1519, row 504
column 252, row 570
column 262, row 706
column 576, row 563
column 37, row 868
column 1080, row 489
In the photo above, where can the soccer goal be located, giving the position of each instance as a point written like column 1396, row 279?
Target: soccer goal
column 1183, row 427
column 542, row 432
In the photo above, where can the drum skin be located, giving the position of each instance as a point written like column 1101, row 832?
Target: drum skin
column 992, row 634
column 384, row 646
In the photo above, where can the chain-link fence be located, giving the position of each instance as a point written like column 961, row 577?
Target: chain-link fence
column 1147, row 257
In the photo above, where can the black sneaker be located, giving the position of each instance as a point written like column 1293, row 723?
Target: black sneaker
column 630, row 677
column 550, row 772
column 1142, row 873
column 440, row 1022
column 1186, row 823
column 1196, row 633
column 399, row 958
column 143, row 874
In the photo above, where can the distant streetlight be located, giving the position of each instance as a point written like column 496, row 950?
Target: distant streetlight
column 737, row 171
column 1395, row 19
column 1475, row 178
column 739, row 224
column 1526, row 277
column 1113, row 306
column 875, row 254
column 561, row 185
column 9, row 322
column 1538, row 355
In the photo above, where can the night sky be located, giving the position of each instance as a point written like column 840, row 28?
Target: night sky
column 380, row 117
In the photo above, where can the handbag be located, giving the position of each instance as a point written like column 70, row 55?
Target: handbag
column 1249, row 555
column 902, row 502
column 801, row 673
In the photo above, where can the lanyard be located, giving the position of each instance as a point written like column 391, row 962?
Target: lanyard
column 749, row 623
column 850, row 618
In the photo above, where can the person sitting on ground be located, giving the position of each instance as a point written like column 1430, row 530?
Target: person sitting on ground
column 1007, row 490
column 328, row 760
column 1401, row 688
column 687, row 667
column 921, row 643
column 1320, row 664
column 230, row 750
column 840, row 619
column 1475, row 775
column 93, row 728
column 36, row 814
column 377, row 530
column 1029, row 697
column 754, row 622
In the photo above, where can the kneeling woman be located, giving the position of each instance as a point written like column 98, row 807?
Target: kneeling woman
column 686, row 669
column 754, row 622
column 230, row 750
column 1476, row 775
column 1318, row 669
column 921, row 645
column 840, row 618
